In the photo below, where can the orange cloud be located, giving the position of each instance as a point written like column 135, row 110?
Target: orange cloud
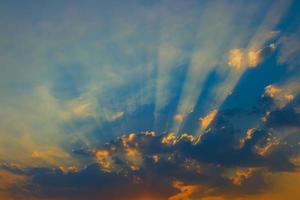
column 282, row 96
column 8, row 179
column 169, row 139
column 205, row 121
column 253, row 58
column 240, row 59
column 186, row 191
column 178, row 118
column 188, row 137
column 235, row 58
column 241, row 175
column 104, row 160
column 128, row 140
column 155, row 158
column 128, row 151
column 134, row 157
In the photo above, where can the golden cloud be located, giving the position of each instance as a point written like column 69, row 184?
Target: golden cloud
column 134, row 158
column 282, row 96
column 105, row 161
column 169, row 139
column 186, row 191
column 253, row 58
column 155, row 158
column 240, row 59
column 179, row 117
column 235, row 58
column 205, row 121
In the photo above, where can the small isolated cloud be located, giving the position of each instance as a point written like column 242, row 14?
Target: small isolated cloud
column 240, row 59
column 186, row 191
column 206, row 121
column 179, row 117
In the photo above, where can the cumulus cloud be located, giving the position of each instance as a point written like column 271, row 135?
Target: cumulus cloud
column 240, row 59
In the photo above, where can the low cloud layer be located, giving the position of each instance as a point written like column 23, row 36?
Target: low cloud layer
column 221, row 163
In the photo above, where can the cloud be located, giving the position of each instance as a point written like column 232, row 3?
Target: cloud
column 281, row 97
column 205, row 121
column 104, row 160
column 9, row 179
column 223, row 163
column 186, row 191
column 178, row 117
column 240, row 59
column 170, row 166
column 235, row 58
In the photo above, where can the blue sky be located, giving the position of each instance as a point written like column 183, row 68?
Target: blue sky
column 116, row 92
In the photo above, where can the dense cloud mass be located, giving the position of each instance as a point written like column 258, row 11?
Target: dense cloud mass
column 222, row 162
column 150, row 100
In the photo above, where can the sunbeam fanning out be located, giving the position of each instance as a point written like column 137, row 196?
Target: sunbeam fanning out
column 150, row 100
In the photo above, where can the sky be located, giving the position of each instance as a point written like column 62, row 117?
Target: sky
column 149, row 100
